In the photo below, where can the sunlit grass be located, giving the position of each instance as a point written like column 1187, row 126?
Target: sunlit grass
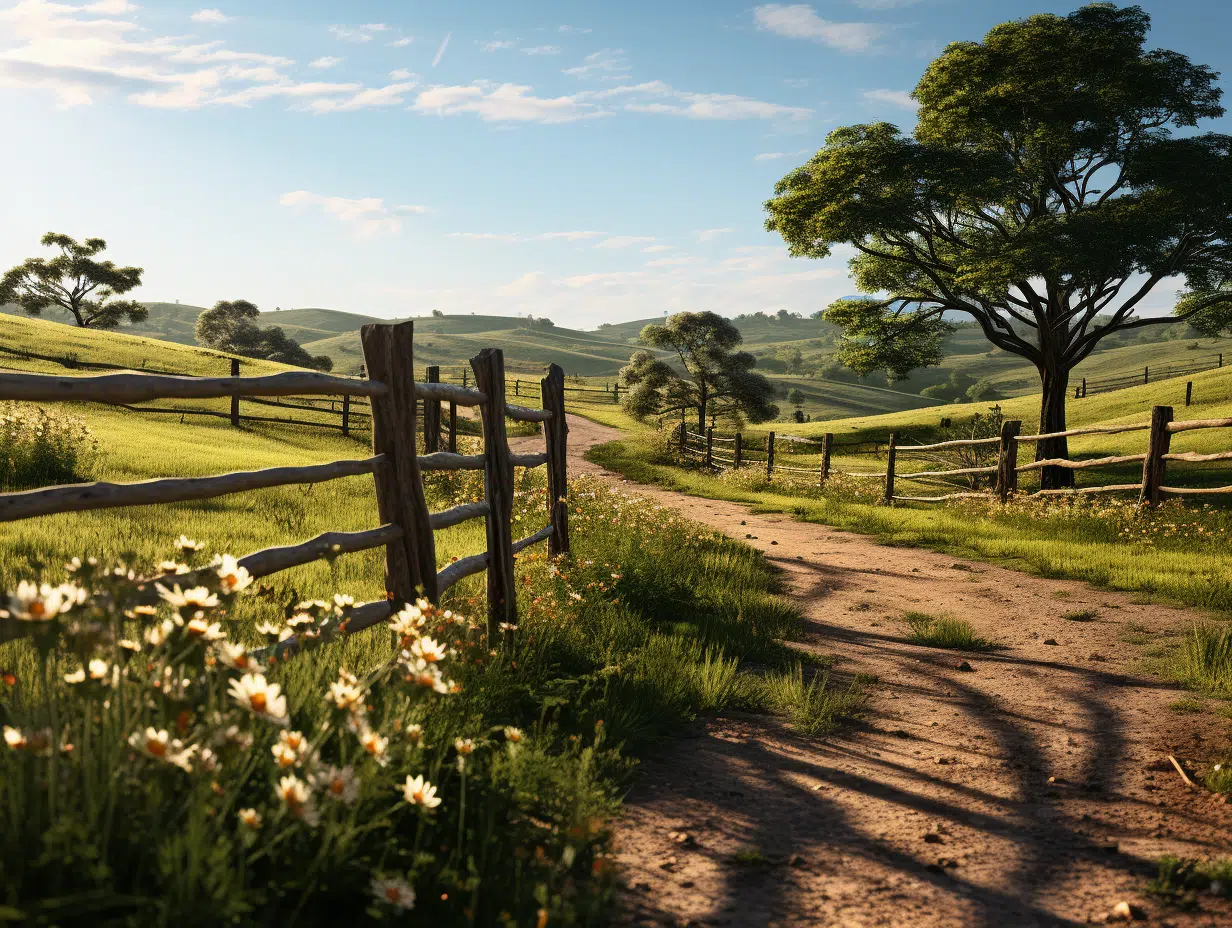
column 943, row 631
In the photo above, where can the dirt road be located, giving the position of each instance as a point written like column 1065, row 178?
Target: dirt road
column 1031, row 789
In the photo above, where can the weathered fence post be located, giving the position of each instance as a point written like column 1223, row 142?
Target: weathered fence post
column 827, row 443
column 410, row 562
column 489, row 368
column 517, row 388
column 1188, row 392
column 1084, row 388
column 710, row 446
column 235, row 397
column 891, row 452
column 738, row 456
column 346, row 415
column 1007, row 459
column 1157, row 446
column 1146, row 375
column 769, row 454
column 684, row 433
column 432, row 415
column 453, row 427
column 556, row 435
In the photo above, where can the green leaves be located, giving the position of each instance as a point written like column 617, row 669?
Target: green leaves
column 75, row 282
column 230, row 327
column 879, row 337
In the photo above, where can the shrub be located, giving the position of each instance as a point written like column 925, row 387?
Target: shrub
column 1204, row 660
column 812, row 706
column 39, row 447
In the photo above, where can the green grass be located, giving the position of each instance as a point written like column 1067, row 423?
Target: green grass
column 1204, row 659
column 813, row 706
column 943, row 631
column 1081, row 615
column 1179, row 880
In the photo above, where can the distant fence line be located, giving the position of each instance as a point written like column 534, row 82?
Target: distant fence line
column 733, row 452
column 396, row 465
column 1149, row 375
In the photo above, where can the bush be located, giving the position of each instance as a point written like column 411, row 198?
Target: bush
column 943, row 631
column 1204, row 660
column 40, row 447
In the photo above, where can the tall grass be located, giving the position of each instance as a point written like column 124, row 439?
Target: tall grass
column 812, row 706
column 39, row 447
column 1204, row 659
column 943, row 631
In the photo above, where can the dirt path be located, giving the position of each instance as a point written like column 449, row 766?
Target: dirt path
column 1032, row 789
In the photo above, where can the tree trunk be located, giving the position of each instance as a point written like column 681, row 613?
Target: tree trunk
column 1052, row 419
column 701, row 411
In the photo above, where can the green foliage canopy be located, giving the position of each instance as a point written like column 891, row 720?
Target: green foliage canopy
column 75, row 281
column 231, row 327
column 717, row 378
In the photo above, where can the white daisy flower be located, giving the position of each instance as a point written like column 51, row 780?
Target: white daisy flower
column 464, row 745
column 31, row 602
column 231, row 575
column 419, row 792
column 184, row 543
column 345, row 695
column 297, row 799
column 394, row 892
column 260, row 697
column 512, row 734
column 250, row 819
column 236, row 657
column 14, row 738
column 429, row 650
column 197, row 597
column 337, row 783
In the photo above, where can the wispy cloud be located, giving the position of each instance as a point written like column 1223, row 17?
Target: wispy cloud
column 581, row 30
column 497, row 45
column 364, row 33
column 659, row 97
column 440, row 52
column 369, row 97
column 213, row 17
column 400, row 74
column 524, row 286
column 625, row 241
column 776, row 155
column 709, row 235
column 542, row 50
column 502, row 103
column 884, row 4
column 368, row 216
column 521, row 237
column 402, row 42
column 607, row 64
column 656, row 249
column 325, row 62
column 800, row 21
column 894, row 97
column 673, row 261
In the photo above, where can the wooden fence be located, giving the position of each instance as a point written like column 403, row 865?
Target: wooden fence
column 1151, row 489
column 407, row 527
column 1148, row 375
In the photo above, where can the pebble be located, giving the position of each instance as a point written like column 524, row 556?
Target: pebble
column 963, row 665
column 1050, row 641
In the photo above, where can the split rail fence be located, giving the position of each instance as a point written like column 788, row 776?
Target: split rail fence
column 722, row 453
column 1148, row 375
column 407, row 527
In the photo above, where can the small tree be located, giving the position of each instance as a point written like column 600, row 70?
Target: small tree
column 230, row 327
column 796, row 397
column 715, row 374
column 792, row 358
column 1042, row 194
column 75, row 282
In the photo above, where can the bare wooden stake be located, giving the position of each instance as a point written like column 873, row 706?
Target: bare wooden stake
column 556, row 437
column 1188, row 392
column 489, row 368
column 453, row 428
column 346, row 416
column 432, row 415
column 1007, row 459
column 1157, row 446
column 769, row 454
column 235, row 397
column 410, row 563
column 891, row 452
column 710, row 447
column 739, row 455
column 827, row 445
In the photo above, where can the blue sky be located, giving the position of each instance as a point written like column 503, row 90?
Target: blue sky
column 586, row 161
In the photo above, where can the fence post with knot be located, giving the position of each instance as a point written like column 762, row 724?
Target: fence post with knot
column 1007, row 459
column 1157, row 446
column 769, row 454
column 410, row 561
column 556, row 436
column 827, row 444
column 235, row 397
column 489, row 368
column 432, row 415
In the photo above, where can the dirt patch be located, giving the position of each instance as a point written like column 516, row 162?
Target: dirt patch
column 1030, row 788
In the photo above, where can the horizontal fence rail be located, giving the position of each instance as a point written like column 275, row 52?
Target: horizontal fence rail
column 1004, row 469
column 1148, row 375
column 396, row 466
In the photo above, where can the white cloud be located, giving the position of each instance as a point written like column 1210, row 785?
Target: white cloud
column 542, row 50
column 659, row 97
column 884, row 4
column 800, row 21
column 608, row 64
column 503, row 103
column 625, row 241
column 656, row 249
column 674, row 261
column 325, row 62
column 440, row 52
column 114, row 7
column 402, row 42
column 400, row 74
column 524, row 286
column 518, row 237
column 390, row 95
column 368, row 216
column 364, row 33
column 573, row 29
column 709, row 235
column 776, row 155
column 290, row 90
column 212, row 17
column 894, row 97
column 496, row 45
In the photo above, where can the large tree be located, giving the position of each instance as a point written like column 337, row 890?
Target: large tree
column 712, row 378
column 75, row 281
column 1043, row 193
column 231, row 326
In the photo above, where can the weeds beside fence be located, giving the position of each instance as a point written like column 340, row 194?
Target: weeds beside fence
column 998, row 462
